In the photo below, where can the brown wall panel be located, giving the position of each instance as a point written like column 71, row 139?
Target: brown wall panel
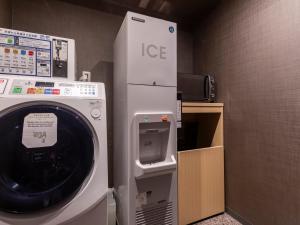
column 5, row 13
column 253, row 48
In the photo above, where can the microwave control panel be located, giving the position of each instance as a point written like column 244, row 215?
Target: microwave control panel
column 30, row 54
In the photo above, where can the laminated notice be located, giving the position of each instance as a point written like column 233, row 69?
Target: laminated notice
column 39, row 130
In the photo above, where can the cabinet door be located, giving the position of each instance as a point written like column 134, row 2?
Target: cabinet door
column 200, row 184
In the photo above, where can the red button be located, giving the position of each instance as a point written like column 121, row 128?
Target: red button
column 56, row 91
column 31, row 91
column 30, row 53
column 164, row 118
column 7, row 50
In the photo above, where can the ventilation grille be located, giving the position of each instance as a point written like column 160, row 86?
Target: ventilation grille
column 161, row 214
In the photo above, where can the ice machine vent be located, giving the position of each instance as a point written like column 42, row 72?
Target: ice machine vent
column 161, row 214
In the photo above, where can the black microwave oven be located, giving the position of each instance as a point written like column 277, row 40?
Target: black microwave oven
column 196, row 87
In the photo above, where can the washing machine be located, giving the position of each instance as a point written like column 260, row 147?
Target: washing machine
column 53, row 152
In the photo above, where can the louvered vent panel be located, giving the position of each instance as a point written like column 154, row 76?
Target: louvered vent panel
column 157, row 215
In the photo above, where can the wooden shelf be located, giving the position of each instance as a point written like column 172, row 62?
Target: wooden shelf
column 194, row 107
column 201, row 170
column 208, row 118
column 202, row 104
column 201, row 149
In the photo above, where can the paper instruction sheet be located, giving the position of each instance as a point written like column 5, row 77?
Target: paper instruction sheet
column 39, row 130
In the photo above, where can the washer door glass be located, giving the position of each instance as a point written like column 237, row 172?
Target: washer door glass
column 48, row 172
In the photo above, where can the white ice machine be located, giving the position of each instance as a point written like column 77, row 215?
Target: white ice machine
column 145, row 79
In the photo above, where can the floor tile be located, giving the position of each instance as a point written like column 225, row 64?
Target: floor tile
column 223, row 219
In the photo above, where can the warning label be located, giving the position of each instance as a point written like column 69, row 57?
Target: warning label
column 39, row 130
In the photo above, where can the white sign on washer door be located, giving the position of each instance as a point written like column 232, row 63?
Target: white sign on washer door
column 39, row 130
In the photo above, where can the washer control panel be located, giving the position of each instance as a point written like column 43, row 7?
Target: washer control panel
column 49, row 88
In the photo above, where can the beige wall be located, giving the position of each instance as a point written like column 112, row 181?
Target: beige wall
column 253, row 48
column 5, row 13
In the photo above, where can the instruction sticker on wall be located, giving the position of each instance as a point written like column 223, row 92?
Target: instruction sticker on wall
column 39, row 130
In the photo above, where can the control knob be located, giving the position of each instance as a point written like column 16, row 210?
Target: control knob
column 96, row 113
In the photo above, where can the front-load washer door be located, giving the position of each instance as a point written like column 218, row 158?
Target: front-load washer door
column 46, row 153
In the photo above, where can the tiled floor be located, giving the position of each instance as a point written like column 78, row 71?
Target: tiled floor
column 223, row 219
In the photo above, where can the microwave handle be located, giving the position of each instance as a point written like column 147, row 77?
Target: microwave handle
column 207, row 87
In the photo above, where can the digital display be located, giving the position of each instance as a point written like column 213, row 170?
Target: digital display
column 44, row 84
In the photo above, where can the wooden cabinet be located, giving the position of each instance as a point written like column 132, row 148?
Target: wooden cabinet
column 201, row 170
